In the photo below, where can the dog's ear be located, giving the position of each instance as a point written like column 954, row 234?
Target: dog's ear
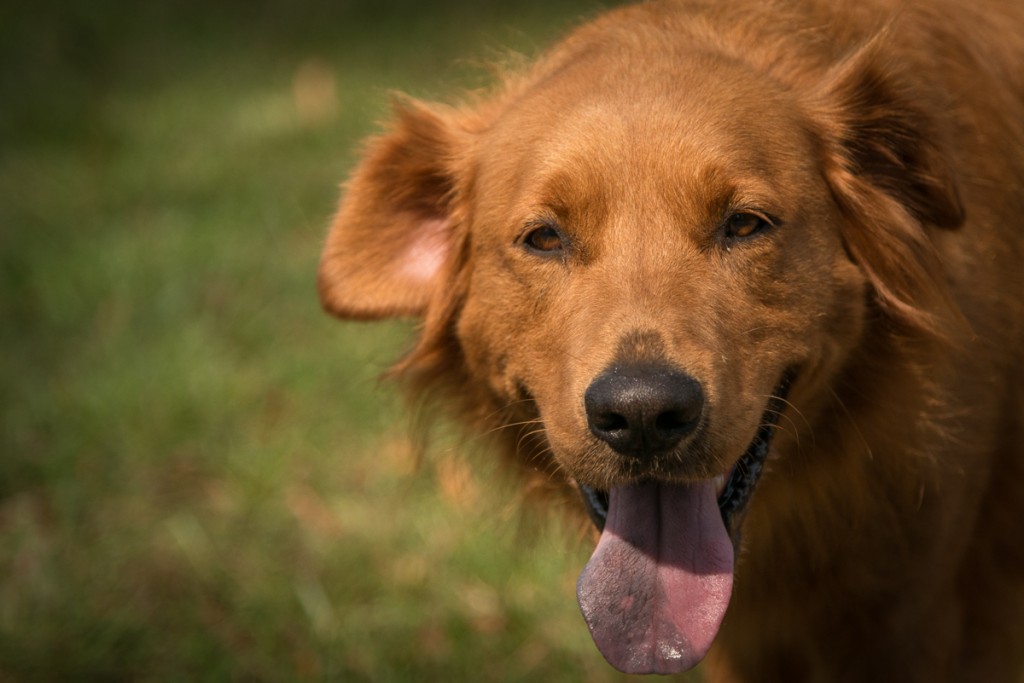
column 887, row 166
column 393, row 232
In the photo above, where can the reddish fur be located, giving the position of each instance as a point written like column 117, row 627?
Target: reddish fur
column 883, row 541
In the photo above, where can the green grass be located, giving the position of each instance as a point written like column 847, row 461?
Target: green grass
column 200, row 477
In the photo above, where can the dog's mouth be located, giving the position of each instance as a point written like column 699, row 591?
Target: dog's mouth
column 733, row 490
column 657, row 586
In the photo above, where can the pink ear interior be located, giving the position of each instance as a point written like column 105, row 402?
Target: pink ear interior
column 421, row 261
column 387, row 248
column 381, row 273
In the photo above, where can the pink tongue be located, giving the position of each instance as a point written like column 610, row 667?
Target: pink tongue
column 656, row 588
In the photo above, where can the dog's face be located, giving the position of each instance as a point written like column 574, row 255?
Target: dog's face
column 683, row 241
column 624, row 260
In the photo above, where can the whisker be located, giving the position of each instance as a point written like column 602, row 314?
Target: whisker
column 507, row 407
column 510, row 425
column 785, row 415
column 853, row 422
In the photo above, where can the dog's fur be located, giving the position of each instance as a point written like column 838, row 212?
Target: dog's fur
column 884, row 142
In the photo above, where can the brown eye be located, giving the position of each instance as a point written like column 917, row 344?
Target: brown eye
column 545, row 239
column 743, row 224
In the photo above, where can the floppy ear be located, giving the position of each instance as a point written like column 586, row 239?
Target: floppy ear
column 394, row 229
column 887, row 166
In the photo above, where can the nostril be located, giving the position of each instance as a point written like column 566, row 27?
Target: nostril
column 674, row 421
column 610, row 422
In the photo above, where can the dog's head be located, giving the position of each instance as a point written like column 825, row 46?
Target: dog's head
column 634, row 249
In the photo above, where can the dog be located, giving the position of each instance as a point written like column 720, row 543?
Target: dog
column 746, row 278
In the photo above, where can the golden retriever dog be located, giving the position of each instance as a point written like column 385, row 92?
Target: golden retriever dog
column 747, row 278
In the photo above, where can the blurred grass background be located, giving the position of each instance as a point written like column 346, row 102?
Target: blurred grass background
column 200, row 477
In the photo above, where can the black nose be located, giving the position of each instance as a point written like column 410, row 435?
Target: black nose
column 643, row 410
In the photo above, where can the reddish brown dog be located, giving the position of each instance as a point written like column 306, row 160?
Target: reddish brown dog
column 750, row 277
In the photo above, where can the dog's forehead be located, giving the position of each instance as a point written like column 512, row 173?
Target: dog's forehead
column 599, row 130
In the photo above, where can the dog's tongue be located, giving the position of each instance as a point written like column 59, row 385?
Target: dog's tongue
column 657, row 586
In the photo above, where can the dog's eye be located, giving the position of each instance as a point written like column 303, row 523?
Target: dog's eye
column 545, row 239
column 744, row 224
